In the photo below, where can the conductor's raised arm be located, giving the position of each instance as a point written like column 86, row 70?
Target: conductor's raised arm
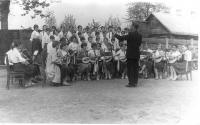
column 121, row 38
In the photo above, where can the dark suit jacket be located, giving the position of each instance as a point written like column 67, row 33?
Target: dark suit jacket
column 134, row 40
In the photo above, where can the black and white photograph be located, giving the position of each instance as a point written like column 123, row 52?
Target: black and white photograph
column 99, row 62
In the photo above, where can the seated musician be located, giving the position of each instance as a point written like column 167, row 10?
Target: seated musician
column 184, row 66
column 120, row 58
column 158, row 62
column 64, row 60
column 18, row 63
column 94, row 55
column 52, row 69
column 75, row 43
column 84, row 66
column 174, row 56
column 108, row 52
column 101, row 72
column 74, row 47
column 146, row 62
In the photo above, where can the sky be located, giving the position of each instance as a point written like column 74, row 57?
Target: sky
column 86, row 10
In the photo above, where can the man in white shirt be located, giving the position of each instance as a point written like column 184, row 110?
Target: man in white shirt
column 45, row 36
column 109, row 35
column 187, row 54
column 93, row 34
column 61, row 33
column 69, row 32
column 102, row 33
column 86, row 33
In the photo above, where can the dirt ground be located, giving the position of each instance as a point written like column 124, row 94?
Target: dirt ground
column 106, row 101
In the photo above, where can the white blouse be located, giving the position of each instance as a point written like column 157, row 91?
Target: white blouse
column 14, row 56
column 188, row 55
column 35, row 35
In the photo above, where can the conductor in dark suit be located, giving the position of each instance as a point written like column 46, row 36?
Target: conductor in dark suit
column 134, row 40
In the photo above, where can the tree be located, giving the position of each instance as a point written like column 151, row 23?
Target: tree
column 113, row 21
column 33, row 7
column 94, row 24
column 68, row 21
column 50, row 20
column 139, row 11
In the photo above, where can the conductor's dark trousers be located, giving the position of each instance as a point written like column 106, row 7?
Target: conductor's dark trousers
column 132, row 71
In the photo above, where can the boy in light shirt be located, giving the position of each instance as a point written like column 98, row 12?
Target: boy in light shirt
column 109, row 35
column 89, row 43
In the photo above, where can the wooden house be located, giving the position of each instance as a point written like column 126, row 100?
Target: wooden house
column 169, row 29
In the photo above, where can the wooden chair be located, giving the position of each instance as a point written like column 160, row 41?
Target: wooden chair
column 12, row 75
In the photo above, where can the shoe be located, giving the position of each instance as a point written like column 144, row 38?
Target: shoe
column 130, row 86
column 57, row 85
column 66, row 84
column 88, row 79
column 38, row 78
column 109, row 76
column 26, row 85
column 34, row 81
column 174, row 79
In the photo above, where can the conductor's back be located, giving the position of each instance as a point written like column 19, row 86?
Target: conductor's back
column 134, row 40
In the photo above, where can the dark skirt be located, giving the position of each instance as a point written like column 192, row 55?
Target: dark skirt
column 180, row 67
column 28, row 70
column 108, row 66
column 44, row 55
column 123, row 67
column 84, row 67
column 160, row 66
column 36, row 45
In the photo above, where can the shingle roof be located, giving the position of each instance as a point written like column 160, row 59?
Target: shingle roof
column 176, row 24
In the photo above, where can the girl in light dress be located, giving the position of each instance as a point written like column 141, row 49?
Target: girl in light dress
column 94, row 54
column 174, row 56
column 52, row 69
column 120, row 58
